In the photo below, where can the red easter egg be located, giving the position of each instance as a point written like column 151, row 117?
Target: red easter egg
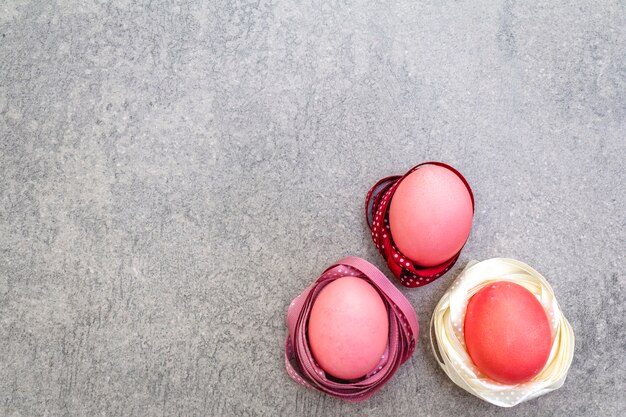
column 507, row 333
column 348, row 328
column 430, row 215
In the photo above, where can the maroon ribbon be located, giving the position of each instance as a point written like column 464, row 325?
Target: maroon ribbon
column 403, row 331
column 377, row 204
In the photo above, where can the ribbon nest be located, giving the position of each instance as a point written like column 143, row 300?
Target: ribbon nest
column 377, row 204
column 448, row 341
column 403, row 331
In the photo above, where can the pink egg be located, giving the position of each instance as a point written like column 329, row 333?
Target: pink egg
column 348, row 328
column 430, row 215
column 507, row 332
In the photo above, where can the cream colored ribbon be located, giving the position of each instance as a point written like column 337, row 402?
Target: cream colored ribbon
column 448, row 341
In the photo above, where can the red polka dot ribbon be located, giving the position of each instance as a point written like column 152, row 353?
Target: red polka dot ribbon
column 403, row 331
column 377, row 214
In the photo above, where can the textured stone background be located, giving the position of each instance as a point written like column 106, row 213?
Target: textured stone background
column 172, row 174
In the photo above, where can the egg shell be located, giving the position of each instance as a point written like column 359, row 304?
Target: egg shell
column 430, row 215
column 348, row 328
column 507, row 333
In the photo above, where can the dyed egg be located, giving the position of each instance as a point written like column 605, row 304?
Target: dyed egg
column 507, row 333
column 430, row 215
column 348, row 328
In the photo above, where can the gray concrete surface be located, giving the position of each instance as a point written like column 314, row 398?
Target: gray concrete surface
column 172, row 174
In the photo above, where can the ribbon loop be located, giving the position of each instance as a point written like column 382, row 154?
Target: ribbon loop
column 403, row 331
column 448, row 341
column 377, row 204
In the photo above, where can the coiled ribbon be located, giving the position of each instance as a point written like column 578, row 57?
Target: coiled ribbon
column 403, row 331
column 377, row 204
column 448, row 341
